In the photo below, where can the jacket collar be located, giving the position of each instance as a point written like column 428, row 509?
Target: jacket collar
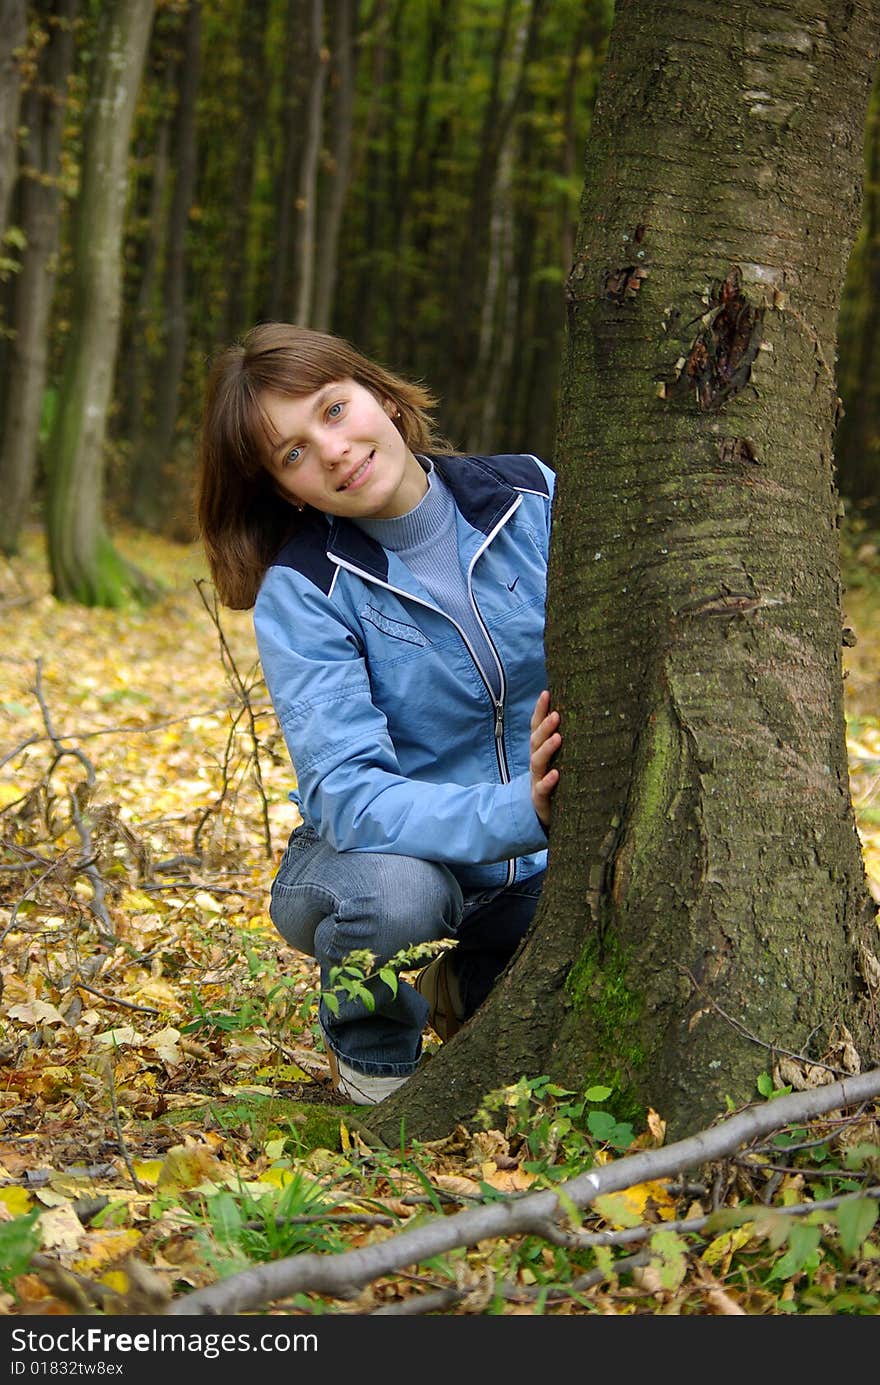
column 483, row 494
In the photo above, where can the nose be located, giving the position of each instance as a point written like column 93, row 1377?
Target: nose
column 333, row 448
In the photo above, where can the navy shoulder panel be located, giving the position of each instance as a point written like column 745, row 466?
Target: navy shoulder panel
column 485, row 487
column 306, row 553
column 520, row 470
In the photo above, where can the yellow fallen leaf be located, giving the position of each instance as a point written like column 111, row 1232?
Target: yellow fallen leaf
column 278, row 1177
column 188, row 1165
column 138, row 901
column 120, row 1037
column 53, row 1080
column 246, row 1089
column 165, row 1044
column 147, row 1170
column 510, row 1180
column 36, row 1012
column 722, row 1247
column 207, row 902
column 18, row 1201
column 160, row 992
column 102, row 1247
column 117, row 1280
column 637, row 1204
column 60, row 1228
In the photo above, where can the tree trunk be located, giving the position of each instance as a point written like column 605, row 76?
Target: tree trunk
column 156, row 479
column 338, row 174
column 13, row 32
column 254, row 94
column 307, row 197
column 287, row 180
column 133, row 370
column 39, row 213
column 858, row 437
column 706, row 905
column 498, row 316
column 84, row 565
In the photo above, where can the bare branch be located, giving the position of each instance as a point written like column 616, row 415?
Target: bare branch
column 343, row 1276
column 243, row 691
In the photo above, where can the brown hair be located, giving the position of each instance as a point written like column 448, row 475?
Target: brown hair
column 242, row 519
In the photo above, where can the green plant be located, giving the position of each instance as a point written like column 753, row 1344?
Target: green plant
column 19, row 1242
column 561, row 1129
column 247, row 1226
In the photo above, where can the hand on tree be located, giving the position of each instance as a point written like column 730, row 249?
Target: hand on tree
column 544, row 742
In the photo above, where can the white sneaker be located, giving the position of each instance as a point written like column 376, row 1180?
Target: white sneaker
column 361, row 1088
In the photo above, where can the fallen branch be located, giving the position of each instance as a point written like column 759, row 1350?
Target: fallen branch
column 243, row 692
column 344, row 1275
column 87, row 864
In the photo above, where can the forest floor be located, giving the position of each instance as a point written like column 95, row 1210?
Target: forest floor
column 166, row 1115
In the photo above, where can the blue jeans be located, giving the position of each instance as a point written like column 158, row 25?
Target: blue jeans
column 328, row 903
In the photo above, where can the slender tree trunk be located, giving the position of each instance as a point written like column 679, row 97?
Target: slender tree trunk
column 241, row 193
column 133, row 375
column 491, row 188
column 13, row 32
column 340, row 164
column 307, row 198
column 498, row 316
column 156, row 477
column 706, row 904
column 287, row 180
column 39, row 212
column 84, row 565
column 858, row 437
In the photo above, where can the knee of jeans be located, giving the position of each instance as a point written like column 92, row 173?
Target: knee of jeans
column 410, row 901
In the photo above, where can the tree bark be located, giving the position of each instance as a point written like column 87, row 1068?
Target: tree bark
column 39, row 212
column 706, row 903
column 340, row 164
column 307, row 196
column 13, row 32
column 254, row 93
column 156, row 479
column 84, row 565
column 287, row 180
column 858, row 437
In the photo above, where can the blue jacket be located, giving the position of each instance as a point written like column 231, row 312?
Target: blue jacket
column 395, row 736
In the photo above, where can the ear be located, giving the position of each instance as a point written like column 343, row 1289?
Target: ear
column 391, row 408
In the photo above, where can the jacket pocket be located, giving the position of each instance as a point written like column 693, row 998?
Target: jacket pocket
column 397, row 629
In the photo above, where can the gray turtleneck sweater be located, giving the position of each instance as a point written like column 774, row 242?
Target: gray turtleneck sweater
column 426, row 540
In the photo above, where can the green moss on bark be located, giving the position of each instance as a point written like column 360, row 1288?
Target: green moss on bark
column 599, row 984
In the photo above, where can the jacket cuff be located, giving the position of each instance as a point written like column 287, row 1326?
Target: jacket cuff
column 530, row 831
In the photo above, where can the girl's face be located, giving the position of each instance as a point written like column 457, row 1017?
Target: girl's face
column 339, row 451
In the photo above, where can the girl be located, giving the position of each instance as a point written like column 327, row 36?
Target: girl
column 398, row 592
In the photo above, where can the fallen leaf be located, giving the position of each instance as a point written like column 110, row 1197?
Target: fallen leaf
column 36, row 1012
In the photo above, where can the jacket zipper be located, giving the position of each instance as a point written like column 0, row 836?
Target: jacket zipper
column 497, row 703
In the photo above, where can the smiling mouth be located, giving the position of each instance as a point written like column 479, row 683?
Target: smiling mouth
column 357, row 473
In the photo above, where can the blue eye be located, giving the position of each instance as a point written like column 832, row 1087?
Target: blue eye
column 292, row 456
column 334, row 411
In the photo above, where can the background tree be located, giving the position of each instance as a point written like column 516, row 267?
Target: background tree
column 155, row 490
column 38, row 216
column 706, row 900
column 84, row 564
column 13, row 32
column 858, row 437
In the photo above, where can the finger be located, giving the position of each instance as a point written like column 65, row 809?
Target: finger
column 544, row 729
column 541, row 707
column 544, row 752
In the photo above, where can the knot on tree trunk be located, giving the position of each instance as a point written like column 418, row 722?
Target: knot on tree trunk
column 720, row 360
